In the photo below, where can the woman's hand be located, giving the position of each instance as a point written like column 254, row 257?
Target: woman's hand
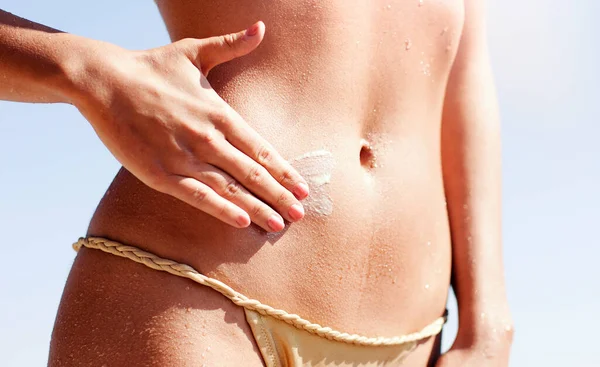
column 158, row 115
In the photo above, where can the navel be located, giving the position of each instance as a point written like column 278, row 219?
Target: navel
column 367, row 155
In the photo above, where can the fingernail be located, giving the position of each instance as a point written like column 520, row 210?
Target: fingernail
column 301, row 191
column 252, row 31
column 275, row 222
column 296, row 212
column 243, row 220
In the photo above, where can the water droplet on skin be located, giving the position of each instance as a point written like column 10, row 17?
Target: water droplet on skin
column 426, row 286
column 425, row 68
column 428, row 243
column 407, row 44
column 482, row 315
column 388, row 7
column 420, row 3
column 444, row 31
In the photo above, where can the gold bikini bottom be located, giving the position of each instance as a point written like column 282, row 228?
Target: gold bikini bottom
column 284, row 339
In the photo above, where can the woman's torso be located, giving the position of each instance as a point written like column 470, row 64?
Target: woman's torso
column 327, row 75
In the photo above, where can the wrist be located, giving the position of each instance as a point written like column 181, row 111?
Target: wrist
column 487, row 331
column 482, row 318
column 84, row 69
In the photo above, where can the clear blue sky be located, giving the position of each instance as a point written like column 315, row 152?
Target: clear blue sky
column 545, row 54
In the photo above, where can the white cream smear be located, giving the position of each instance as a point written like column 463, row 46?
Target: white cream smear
column 316, row 168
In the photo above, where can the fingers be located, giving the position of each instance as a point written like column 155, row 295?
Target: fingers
column 200, row 196
column 221, row 196
column 231, row 190
column 248, row 141
column 256, row 179
column 210, row 52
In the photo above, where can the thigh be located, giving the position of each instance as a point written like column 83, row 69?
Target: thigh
column 116, row 312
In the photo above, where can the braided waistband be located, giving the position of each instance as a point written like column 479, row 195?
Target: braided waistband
column 186, row 271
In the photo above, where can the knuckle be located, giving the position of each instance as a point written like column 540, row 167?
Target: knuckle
column 287, row 176
column 231, row 190
column 264, row 155
column 228, row 40
column 206, row 137
column 255, row 176
column 257, row 210
column 199, row 195
column 284, row 198
column 219, row 115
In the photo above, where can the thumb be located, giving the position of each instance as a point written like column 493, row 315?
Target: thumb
column 210, row 52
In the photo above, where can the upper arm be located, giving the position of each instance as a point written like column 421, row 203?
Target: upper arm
column 470, row 100
column 472, row 55
column 471, row 127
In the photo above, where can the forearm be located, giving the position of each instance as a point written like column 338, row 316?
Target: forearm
column 471, row 159
column 38, row 63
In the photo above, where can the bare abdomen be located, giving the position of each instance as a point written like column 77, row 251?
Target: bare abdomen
column 327, row 77
column 379, row 252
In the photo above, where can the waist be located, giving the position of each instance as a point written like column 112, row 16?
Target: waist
column 383, row 245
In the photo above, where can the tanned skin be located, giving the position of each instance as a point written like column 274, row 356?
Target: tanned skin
column 205, row 128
